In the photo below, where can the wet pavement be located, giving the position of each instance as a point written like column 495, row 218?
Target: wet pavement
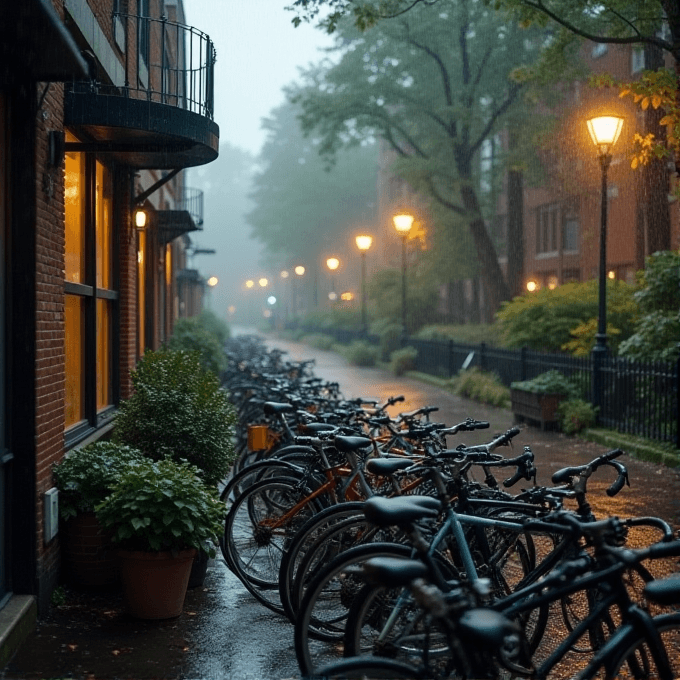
column 224, row 634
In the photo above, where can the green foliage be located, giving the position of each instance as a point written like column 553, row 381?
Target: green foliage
column 584, row 337
column 58, row 597
column 319, row 340
column 403, row 360
column 360, row 353
column 390, row 335
column 162, row 505
column 657, row 331
column 86, row 476
column 213, row 324
column 178, row 410
column 543, row 320
column 550, row 382
column 575, row 415
column 472, row 334
column 337, row 317
column 193, row 335
column 478, row 385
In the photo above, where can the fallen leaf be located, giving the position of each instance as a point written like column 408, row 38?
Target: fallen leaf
column 72, row 648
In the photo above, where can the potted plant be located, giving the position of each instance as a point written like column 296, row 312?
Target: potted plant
column 160, row 514
column 537, row 399
column 84, row 478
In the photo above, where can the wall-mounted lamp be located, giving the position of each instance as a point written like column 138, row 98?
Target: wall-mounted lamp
column 140, row 218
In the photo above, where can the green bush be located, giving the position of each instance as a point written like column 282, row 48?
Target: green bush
column 319, row 340
column 391, row 336
column 469, row 334
column 403, row 360
column 575, row 415
column 87, row 475
column 360, row 353
column 213, row 324
column 192, row 335
column 550, row 382
column 178, row 410
column 478, row 385
column 544, row 320
column 163, row 505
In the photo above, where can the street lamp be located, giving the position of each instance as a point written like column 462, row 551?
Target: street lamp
column 333, row 263
column 212, row 282
column 403, row 223
column 263, row 282
column 299, row 271
column 604, row 131
column 363, row 242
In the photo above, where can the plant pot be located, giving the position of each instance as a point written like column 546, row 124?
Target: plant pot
column 535, row 406
column 87, row 557
column 155, row 584
column 199, row 569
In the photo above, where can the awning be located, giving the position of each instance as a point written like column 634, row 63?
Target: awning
column 35, row 45
column 173, row 223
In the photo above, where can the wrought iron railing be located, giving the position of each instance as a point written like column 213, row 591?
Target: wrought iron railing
column 192, row 202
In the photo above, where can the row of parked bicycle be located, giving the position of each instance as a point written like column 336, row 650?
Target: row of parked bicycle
column 395, row 555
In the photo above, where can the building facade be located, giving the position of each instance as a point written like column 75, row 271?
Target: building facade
column 102, row 104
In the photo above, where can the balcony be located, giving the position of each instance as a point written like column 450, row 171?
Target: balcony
column 187, row 217
column 161, row 117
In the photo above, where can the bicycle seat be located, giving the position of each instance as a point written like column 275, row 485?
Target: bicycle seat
column 387, row 466
column 272, row 407
column 393, row 572
column 486, row 627
column 343, row 443
column 315, row 428
column 400, row 510
column 665, row 591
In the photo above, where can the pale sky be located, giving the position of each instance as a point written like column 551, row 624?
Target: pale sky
column 258, row 53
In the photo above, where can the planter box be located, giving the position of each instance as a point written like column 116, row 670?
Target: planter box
column 541, row 408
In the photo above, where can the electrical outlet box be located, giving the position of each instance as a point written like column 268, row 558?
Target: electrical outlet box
column 51, row 514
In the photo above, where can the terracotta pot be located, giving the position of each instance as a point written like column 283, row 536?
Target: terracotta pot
column 87, row 557
column 155, row 584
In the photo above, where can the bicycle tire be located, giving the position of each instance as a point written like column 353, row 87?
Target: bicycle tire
column 324, row 608
column 253, row 546
column 366, row 668
column 303, row 541
column 629, row 656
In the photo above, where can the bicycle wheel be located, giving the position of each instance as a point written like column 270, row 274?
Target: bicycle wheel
column 303, row 541
column 366, row 668
column 324, row 608
column 632, row 657
column 259, row 525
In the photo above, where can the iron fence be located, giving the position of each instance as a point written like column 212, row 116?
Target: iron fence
column 639, row 398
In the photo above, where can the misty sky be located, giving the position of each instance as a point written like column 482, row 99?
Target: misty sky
column 258, row 53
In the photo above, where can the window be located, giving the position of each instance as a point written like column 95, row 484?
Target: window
column 90, row 297
column 570, row 234
column 637, row 59
column 547, row 229
column 599, row 50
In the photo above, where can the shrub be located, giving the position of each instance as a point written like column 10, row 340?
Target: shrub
column 162, row 505
column 469, row 333
column 360, row 353
column 575, row 415
column 87, row 475
column 192, row 335
column 481, row 386
column 550, row 382
column 320, row 341
column 403, row 360
column 178, row 410
column 390, row 340
column 213, row 324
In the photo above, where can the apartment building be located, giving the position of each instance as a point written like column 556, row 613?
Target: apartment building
column 103, row 103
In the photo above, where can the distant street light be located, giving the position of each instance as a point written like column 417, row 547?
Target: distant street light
column 403, row 223
column 250, row 283
column 364, row 242
column 604, row 131
column 332, row 263
column 263, row 282
column 299, row 271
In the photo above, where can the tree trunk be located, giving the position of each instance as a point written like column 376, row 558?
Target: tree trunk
column 495, row 289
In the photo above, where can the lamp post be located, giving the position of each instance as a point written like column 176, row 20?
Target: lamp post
column 363, row 242
column 299, row 271
column 604, row 131
column 332, row 263
column 284, row 275
column 403, row 223
column 212, row 282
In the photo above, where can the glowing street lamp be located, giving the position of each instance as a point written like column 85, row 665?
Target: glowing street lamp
column 332, row 263
column 250, row 283
column 403, row 223
column 364, row 242
column 299, row 272
column 212, row 281
column 263, row 282
column 604, row 131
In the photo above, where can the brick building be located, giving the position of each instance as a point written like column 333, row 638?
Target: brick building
column 102, row 104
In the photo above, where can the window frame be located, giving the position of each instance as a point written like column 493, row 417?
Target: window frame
column 88, row 290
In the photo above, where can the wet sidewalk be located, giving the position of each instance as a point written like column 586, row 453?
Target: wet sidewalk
column 224, row 634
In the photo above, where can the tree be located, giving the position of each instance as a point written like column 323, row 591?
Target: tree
column 437, row 85
column 301, row 206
